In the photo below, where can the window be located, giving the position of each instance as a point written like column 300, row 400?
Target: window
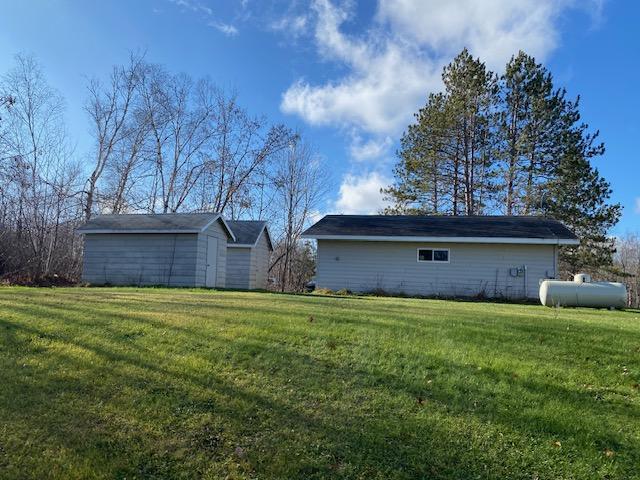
column 440, row 255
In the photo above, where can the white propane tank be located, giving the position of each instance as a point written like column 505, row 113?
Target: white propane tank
column 583, row 293
column 582, row 278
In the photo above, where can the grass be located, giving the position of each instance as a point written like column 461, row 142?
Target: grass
column 156, row 383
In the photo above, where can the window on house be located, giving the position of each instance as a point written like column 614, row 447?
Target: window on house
column 433, row 255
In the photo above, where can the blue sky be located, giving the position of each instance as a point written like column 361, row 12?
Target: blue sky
column 347, row 74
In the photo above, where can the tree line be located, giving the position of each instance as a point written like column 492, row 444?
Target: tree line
column 507, row 144
column 163, row 142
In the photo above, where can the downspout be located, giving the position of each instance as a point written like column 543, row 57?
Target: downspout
column 525, row 282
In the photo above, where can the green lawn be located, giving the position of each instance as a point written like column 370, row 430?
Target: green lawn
column 157, row 383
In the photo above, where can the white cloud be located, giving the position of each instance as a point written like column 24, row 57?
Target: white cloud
column 393, row 65
column 369, row 149
column 361, row 194
column 638, row 205
column 194, row 6
column 227, row 29
column 387, row 80
column 294, row 25
column 206, row 14
column 493, row 30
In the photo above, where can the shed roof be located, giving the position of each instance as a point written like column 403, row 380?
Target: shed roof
column 153, row 223
column 248, row 232
column 439, row 228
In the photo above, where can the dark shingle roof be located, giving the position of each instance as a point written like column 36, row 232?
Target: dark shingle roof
column 440, row 226
column 247, row 232
column 165, row 222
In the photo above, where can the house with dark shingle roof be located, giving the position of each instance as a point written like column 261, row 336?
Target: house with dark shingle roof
column 450, row 256
column 248, row 255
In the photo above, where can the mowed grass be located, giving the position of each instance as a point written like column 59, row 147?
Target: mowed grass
column 158, row 383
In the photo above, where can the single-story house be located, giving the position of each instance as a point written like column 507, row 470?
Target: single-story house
column 451, row 256
column 248, row 255
column 181, row 249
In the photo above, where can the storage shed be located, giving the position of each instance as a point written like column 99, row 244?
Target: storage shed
column 248, row 256
column 450, row 256
column 173, row 249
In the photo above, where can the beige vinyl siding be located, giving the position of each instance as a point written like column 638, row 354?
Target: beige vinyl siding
column 216, row 230
column 239, row 267
column 140, row 259
column 473, row 269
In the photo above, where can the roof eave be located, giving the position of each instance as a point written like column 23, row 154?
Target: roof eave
column 138, row 230
column 224, row 224
column 501, row 240
column 266, row 230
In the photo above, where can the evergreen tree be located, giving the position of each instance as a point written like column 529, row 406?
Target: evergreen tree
column 517, row 147
column 529, row 114
column 578, row 196
column 421, row 187
column 472, row 95
column 446, row 157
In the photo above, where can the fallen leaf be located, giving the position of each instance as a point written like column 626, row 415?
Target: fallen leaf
column 557, row 444
column 240, row 452
column 609, row 453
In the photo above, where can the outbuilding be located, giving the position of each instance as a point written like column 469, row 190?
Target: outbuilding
column 248, row 255
column 448, row 256
column 173, row 249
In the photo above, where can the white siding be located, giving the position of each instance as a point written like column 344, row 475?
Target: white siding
column 473, row 269
column 239, row 267
column 140, row 259
column 248, row 267
column 260, row 257
column 215, row 230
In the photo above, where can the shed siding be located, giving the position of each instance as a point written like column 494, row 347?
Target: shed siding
column 261, row 256
column 248, row 267
column 215, row 230
column 239, row 267
column 140, row 259
column 473, row 269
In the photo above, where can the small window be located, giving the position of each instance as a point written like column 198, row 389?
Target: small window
column 425, row 255
column 440, row 255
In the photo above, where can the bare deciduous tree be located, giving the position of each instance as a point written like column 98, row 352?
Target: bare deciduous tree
column 180, row 114
column 109, row 108
column 300, row 185
column 242, row 147
column 38, row 176
column 627, row 262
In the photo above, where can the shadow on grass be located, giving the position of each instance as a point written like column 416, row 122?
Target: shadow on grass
column 318, row 432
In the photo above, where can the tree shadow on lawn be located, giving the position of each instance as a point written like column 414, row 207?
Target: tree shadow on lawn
column 508, row 340
column 351, row 435
column 333, row 426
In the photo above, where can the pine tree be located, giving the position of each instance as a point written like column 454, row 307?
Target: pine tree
column 578, row 196
column 446, row 157
column 517, row 147
column 421, row 187
column 530, row 114
column 472, row 96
